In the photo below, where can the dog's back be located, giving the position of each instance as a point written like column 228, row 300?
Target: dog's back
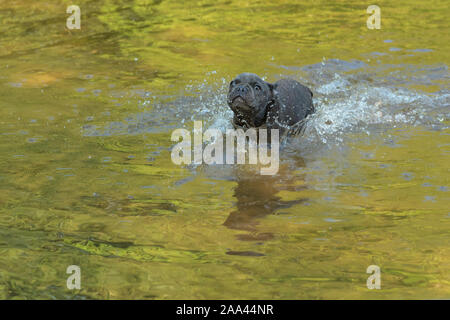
column 293, row 103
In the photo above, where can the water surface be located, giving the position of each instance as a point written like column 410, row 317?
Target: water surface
column 86, row 177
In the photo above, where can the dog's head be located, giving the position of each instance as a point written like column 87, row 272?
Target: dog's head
column 250, row 97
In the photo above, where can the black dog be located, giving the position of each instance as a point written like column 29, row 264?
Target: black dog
column 283, row 105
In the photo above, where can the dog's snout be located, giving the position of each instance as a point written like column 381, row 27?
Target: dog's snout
column 242, row 89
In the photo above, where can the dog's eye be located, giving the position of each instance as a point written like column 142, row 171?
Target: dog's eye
column 232, row 83
column 257, row 87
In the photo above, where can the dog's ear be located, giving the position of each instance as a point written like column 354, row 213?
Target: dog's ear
column 272, row 88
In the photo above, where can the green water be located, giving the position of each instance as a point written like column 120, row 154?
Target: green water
column 86, row 177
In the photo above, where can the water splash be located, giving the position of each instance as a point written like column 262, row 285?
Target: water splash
column 349, row 96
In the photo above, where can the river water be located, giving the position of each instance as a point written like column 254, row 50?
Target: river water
column 86, row 176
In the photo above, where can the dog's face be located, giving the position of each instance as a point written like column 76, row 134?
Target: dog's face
column 249, row 97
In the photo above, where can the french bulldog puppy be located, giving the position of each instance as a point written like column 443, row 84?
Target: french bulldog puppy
column 283, row 105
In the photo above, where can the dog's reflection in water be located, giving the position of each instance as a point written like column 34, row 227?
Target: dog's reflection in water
column 256, row 197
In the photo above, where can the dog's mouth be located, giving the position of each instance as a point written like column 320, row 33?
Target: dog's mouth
column 238, row 100
column 238, row 104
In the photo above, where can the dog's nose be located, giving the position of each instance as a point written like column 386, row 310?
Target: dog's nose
column 242, row 89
